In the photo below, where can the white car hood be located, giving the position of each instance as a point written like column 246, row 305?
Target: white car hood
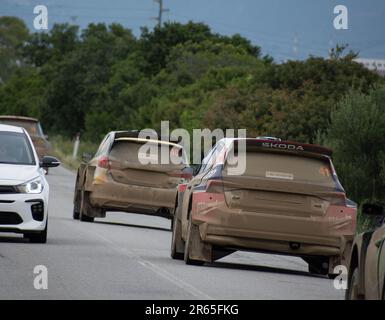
column 11, row 175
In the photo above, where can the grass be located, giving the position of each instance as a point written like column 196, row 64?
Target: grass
column 63, row 149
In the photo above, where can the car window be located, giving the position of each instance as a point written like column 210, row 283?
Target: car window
column 288, row 167
column 103, row 148
column 33, row 128
column 15, row 149
column 206, row 160
column 131, row 152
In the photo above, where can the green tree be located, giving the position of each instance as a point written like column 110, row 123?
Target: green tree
column 13, row 34
column 357, row 134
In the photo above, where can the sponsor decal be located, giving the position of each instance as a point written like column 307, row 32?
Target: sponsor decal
column 282, row 146
column 279, row 175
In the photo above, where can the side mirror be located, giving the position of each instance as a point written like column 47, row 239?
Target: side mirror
column 49, row 162
column 86, row 157
column 188, row 173
column 372, row 209
column 46, row 137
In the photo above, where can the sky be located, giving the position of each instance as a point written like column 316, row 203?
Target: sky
column 284, row 29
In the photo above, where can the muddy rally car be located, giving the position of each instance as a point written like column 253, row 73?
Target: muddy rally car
column 115, row 179
column 367, row 260
column 288, row 200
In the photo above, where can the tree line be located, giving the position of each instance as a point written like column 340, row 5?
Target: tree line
column 104, row 78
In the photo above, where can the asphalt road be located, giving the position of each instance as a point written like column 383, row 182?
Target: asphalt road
column 126, row 256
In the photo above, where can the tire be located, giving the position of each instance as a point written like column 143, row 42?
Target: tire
column 192, row 236
column 352, row 292
column 316, row 267
column 86, row 208
column 40, row 237
column 77, row 203
column 177, row 243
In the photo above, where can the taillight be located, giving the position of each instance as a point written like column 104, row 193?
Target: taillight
column 182, row 187
column 104, row 162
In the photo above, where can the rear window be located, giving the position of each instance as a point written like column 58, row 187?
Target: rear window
column 130, row 152
column 33, row 128
column 288, row 167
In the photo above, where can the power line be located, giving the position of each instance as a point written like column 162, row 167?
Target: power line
column 160, row 14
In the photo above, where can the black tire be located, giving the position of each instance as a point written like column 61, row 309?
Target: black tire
column 39, row 237
column 77, row 202
column 177, row 242
column 316, row 267
column 86, row 208
column 192, row 236
column 352, row 292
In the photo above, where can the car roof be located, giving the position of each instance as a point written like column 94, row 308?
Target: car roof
column 8, row 128
column 19, row 118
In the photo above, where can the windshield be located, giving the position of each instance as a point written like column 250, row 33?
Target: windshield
column 15, row 149
column 32, row 127
column 130, row 152
column 289, row 167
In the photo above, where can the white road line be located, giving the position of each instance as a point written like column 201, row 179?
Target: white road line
column 180, row 283
column 155, row 269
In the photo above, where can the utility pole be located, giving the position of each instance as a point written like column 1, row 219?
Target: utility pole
column 160, row 14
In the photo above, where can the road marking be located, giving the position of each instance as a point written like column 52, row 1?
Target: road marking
column 154, row 268
column 180, row 283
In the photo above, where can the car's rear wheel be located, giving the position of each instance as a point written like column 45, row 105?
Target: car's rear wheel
column 39, row 237
column 77, row 203
column 177, row 243
column 352, row 292
column 318, row 266
column 86, row 208
column 193, row 241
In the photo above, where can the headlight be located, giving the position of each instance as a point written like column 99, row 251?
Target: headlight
column 33, row 186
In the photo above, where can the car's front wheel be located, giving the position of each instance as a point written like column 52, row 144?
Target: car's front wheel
column 77, row 203
column 353, row 293
column 37, row 237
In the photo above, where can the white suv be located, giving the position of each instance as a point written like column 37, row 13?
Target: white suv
column 24, row 190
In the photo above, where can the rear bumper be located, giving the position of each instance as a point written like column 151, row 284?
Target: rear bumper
column 322, row 235
column 113, row 195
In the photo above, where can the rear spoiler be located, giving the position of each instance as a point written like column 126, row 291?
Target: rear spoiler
column 288, row 146
column 136, row 133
